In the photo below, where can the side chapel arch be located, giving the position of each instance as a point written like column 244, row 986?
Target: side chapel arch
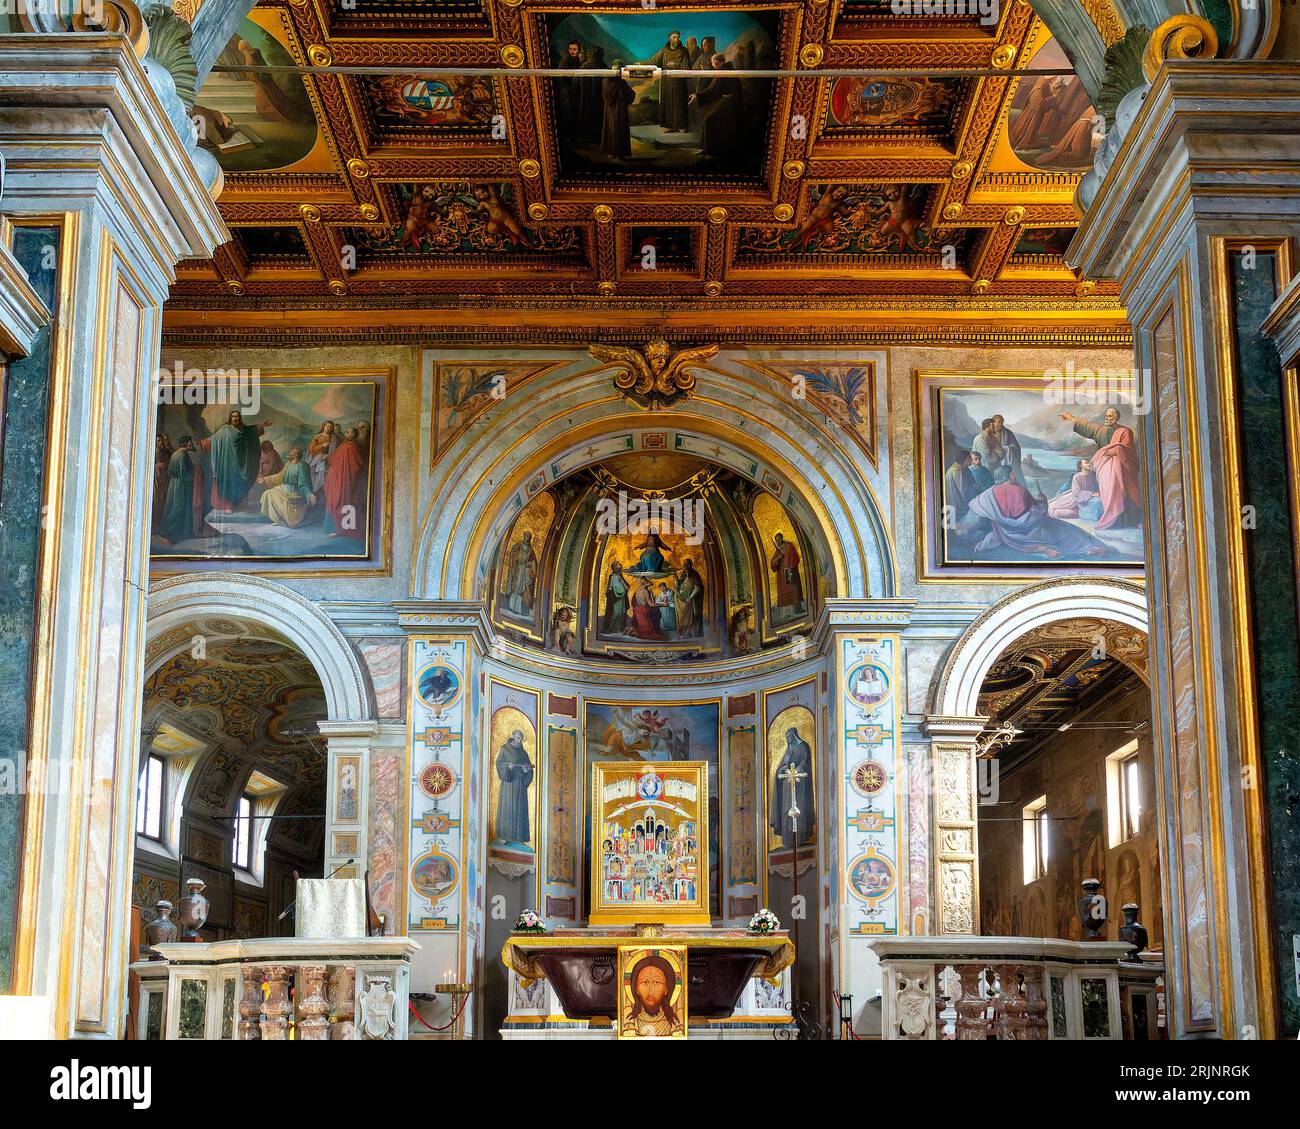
column 955, row 723
column 179, row 600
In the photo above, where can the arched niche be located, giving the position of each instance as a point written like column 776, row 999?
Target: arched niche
column 568, row 422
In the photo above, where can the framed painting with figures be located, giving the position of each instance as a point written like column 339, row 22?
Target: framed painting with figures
column 650, row 854
column 289, row 472
column 1023, row 473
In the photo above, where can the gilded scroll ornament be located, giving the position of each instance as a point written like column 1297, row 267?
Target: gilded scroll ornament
column 1179, row 37
column 656, row 377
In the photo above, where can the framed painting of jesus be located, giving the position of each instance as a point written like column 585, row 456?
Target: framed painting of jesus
column 650, row 850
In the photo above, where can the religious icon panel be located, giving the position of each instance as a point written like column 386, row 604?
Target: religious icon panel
column 652, row 992
column 650, row 857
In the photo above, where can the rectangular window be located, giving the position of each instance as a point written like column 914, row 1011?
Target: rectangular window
column 1037, row 835
column 1124, row 794
column 149, row 799
column 1130, row 790
column 243, row 852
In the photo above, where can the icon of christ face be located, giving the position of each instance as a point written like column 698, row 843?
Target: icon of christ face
column 651, row 987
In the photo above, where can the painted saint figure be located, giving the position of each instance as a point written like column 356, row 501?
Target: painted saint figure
column 789, row 585
column 617, row 97
column 1078, row 497
column 616, row 602
column 235, row 449
column 1116, row 466
column 959, row 484
column 346, row 489
column 515, row 771
column 182, row 512
column 798, row 755
column 288, row 494
column 997, row 445
column 521, row 576
column 690, row 602
column 645, row 613
column 673, row 111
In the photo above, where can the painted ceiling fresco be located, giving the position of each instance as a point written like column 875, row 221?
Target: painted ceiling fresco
column 392, row 188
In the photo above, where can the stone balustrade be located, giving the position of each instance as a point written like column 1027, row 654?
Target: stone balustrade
column 969, row 987
column 277, row 988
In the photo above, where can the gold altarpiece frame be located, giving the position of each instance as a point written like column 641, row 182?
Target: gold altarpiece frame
column 650, row 843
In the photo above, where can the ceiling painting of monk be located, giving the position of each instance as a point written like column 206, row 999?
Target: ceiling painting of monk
column 1052, row 124
column 253, row 121
column 711, row 125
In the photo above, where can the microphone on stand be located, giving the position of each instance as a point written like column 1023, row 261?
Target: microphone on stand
column 289, row 908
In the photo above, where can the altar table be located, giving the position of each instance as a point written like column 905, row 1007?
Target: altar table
column 580, row 964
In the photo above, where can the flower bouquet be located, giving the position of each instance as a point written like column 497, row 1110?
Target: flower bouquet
column 530, row 921
column 764, row 921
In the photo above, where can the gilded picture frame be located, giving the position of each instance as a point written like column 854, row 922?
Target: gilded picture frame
column 650, row 843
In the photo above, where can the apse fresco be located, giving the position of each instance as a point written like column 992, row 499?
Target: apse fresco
column 852, row 219
column 253, row 121
column 1024, row 480
column 519, row 596
column 863, row 103
column 465, row 218
column 708, row 125
column 659, row 588
column 451, row 105
column 653, row 732
column 786, row 574
column 1051, row 124
column 290, row 474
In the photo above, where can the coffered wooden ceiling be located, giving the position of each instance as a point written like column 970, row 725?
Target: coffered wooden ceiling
column 432, row 191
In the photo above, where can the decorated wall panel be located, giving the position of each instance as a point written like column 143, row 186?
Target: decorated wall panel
column 871, row 779
column 440, row 720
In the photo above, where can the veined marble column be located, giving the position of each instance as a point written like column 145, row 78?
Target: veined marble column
column 103, row 200
column 1197, row 219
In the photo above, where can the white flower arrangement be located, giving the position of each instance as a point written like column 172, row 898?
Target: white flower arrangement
column 764, row 921
column 530, row 921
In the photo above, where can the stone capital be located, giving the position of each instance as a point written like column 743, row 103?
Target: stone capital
column 1221, row 133
column 82, row 126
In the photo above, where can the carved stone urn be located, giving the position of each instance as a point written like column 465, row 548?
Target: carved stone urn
column 161, row 930
column 193, row 910
column 1133, row 931
column 1092, row 910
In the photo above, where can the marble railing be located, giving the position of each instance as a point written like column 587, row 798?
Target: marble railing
column 277, row 988
column 967, row 987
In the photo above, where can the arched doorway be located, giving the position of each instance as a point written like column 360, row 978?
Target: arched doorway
column 247, row 690
column 1067, row 784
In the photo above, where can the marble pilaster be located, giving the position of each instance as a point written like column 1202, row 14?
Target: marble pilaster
column 103, row 193
column 1197, row 219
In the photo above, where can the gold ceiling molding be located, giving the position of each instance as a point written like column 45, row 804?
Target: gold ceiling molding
column 655, row 377
column 1179, row 37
